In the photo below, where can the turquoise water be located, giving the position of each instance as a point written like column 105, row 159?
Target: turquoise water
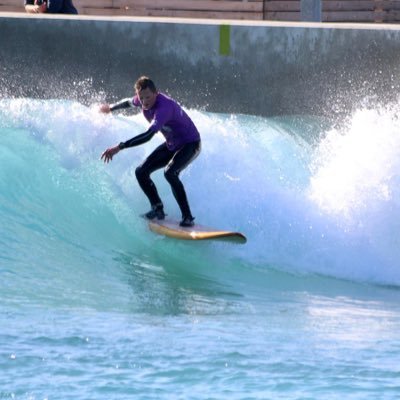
column 94, row 306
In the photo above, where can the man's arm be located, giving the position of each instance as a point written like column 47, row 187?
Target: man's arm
column 108, row 155
column 138, row 140
column 124, row 103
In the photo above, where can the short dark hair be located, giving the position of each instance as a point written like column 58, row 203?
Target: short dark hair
column 145, row 82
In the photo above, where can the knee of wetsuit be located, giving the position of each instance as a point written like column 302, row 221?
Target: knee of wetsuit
column 170, row 175
column 139, row 172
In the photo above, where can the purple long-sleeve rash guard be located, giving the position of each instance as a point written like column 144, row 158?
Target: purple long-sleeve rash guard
column 168, row 117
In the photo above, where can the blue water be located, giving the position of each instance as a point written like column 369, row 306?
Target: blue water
column 94, row 306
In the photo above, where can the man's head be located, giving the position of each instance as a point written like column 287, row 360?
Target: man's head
column 147, row 92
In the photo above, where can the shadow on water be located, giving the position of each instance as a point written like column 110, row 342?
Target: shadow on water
column 170, row 285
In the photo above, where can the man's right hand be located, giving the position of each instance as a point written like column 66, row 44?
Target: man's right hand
column 105, row 108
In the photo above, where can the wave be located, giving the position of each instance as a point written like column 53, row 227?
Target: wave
column 311, row 199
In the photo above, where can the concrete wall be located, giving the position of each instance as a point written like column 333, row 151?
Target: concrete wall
column 253, row 68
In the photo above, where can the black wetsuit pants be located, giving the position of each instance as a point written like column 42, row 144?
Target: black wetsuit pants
column 174, row 162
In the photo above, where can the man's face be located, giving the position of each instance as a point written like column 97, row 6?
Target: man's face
column 147, row 98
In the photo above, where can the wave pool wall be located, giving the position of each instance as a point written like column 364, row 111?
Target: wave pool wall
column 259, row 68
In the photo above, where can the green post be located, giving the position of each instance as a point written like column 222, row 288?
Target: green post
column 224, row 40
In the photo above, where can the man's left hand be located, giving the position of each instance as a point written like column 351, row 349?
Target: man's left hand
column 108, row 155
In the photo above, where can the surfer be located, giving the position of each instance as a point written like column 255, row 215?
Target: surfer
column 182, row 145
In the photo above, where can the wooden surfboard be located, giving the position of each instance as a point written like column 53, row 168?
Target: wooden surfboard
column 169, row 227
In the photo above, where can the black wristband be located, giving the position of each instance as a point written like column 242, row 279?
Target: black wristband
column 121, row 146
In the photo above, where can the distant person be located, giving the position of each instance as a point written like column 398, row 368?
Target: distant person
column 182, row 145
column 50, row 6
